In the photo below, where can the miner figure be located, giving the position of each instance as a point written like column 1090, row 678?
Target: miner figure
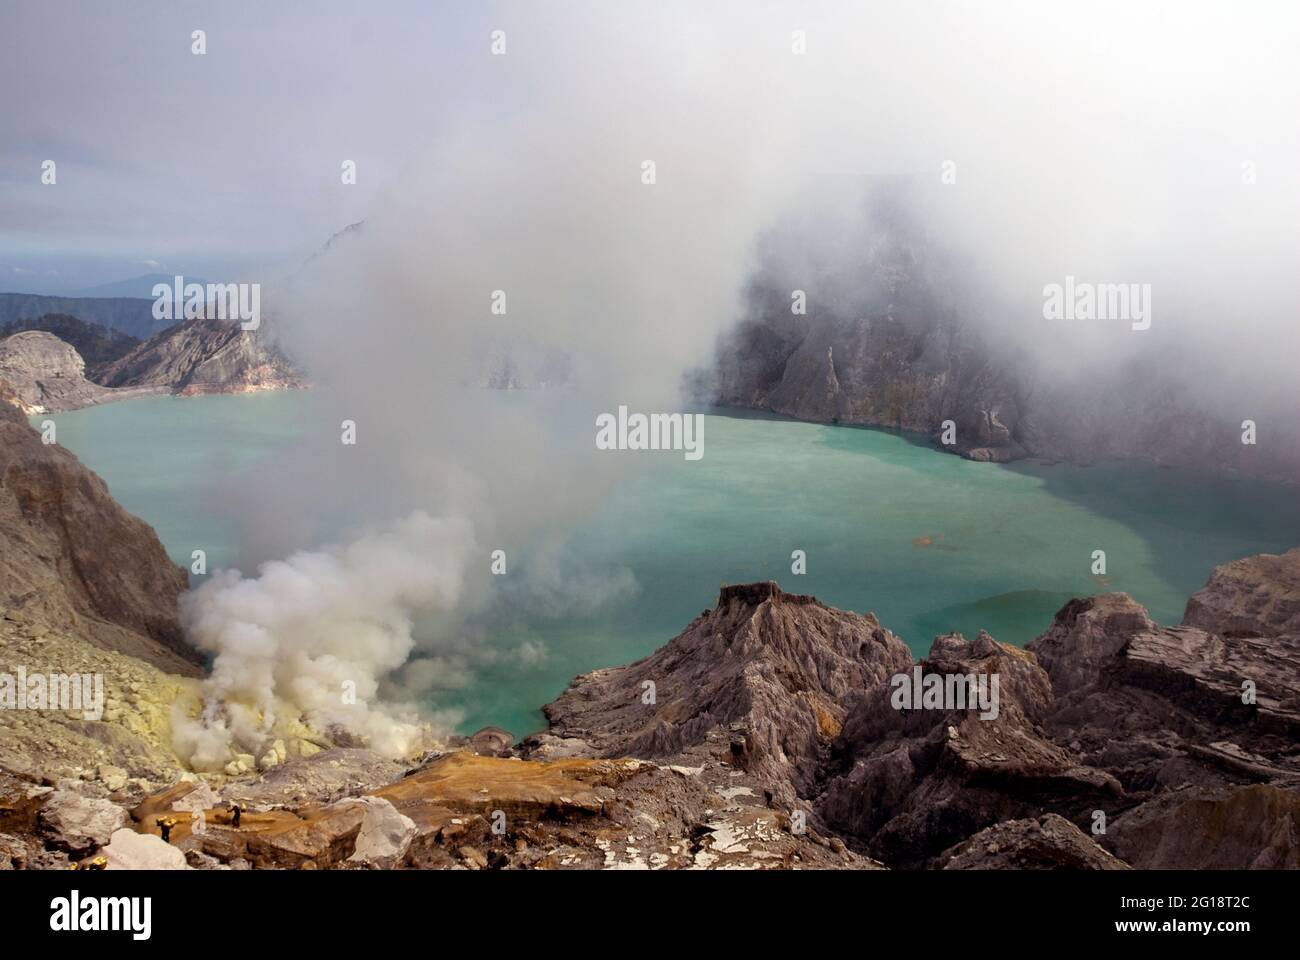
column 165, row 825
column 234, row 815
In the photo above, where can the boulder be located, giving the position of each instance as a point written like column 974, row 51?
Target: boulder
column 78, row 825
column 1048, row 842
column 128, row 850
column 385, row 834
column 1254, row 596
column 310, row 837
column 202, row 797
column 113, row 778
column 1085, row 637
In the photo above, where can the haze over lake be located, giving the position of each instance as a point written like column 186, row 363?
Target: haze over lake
column 930, row 542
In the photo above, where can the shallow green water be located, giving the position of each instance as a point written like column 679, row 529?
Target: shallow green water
column 930, row 542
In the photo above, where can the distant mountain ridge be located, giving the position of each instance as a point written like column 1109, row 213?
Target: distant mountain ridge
column 130, row 315
column 96, row 343
column 135, row 287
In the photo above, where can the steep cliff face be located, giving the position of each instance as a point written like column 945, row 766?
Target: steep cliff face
column 912, row 365
column 899, row 360
column 202, row 356
column 71, row 558
column 43, row 374
column 891, row 332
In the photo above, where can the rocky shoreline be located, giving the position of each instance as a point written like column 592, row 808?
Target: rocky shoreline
column 763, row 737
column 766, row 735
column 41, row 373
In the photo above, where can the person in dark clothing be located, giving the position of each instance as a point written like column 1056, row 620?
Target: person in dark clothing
column 165, row 825
column 234, row 815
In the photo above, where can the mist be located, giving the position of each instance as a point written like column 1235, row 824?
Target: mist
column 1100, row 142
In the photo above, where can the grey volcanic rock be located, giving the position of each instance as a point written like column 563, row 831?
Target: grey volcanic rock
column 1108, row 712
column 1253, row 827
column 72, row 558
column 885, row 341
column 911, row 363
column 763, row 679
column 899, row 333
column 765, row 736
column 29, row 853
column 1049, row 842
column 1188, row 719
column 1086, row 635
column 1257, row 595
column 385, row 834
column 488, row 742
column 202, row 356
column 128, row 850
column 323, row 778
column 76, row 824
column 910, row 783
column 1141, row 700
column 902, row 362
column 95, row 344
column 44, row 374
column 1207, row 672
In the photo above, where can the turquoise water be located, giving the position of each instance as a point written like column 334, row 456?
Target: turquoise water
column 930, row 542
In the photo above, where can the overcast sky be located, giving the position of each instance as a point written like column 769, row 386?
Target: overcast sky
column 1073, row 124
column 223, row 162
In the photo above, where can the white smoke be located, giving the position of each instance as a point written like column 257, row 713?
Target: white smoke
column 599, row 266
column 534, row 186
column 310, row 638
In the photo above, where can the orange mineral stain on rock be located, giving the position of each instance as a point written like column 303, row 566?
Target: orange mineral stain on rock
column 468, row 783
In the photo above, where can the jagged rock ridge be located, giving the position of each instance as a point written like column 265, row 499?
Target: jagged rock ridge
column 202, row 356
column 764, row 736
column 43, row 374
